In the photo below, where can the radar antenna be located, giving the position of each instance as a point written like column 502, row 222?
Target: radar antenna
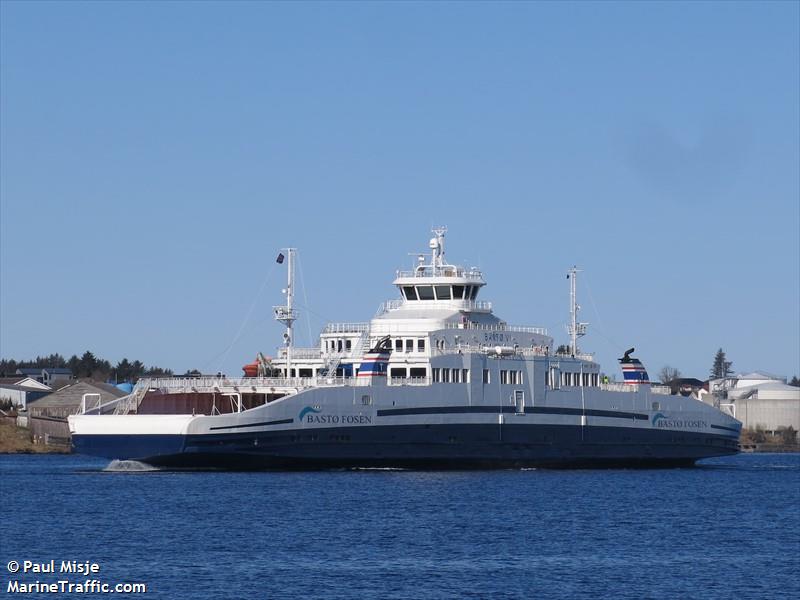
column 437, row 248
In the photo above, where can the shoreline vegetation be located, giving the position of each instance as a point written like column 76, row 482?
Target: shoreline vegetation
column 17, row 440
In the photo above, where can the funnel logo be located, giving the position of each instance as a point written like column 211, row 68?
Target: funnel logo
column 306, row 410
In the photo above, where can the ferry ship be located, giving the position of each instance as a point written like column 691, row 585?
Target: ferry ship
column 434, row 380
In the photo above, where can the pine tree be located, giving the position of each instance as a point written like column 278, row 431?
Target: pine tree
column 722, row 367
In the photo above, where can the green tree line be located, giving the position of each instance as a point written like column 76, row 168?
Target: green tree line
column 88, row 365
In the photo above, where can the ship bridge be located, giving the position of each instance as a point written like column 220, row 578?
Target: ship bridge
column 437, row 284
column 435, row 295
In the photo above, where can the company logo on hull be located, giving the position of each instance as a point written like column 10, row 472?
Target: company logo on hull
column 662, row 421
column 306, row 410
column 311, row 415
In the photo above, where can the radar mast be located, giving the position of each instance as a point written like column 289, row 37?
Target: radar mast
column 287, row 314
column 575, row 328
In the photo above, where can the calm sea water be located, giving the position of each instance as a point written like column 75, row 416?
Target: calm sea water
column 727, row 529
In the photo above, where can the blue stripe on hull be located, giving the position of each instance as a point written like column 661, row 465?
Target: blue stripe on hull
column 417, row 446
column 128, row 446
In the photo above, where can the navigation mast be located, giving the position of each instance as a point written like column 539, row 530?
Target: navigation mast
column 287, row 314
column 575, row 328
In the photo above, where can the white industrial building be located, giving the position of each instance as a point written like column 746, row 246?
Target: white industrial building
column 759, row 400
column 21, row 389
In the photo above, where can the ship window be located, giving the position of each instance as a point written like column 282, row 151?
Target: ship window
column 418, row 372
column 398, row 345
column 408, row 291
column 503, row 377
column 554, row 378
column 656, row 405
column 443, row 292
column 486, row 376
column 465, row 375
column 468, row 292
column 421, row 345
column 339, row 345
column 348, row 344
column 397, row 372
column 519, row 378
column 456, row 376
column 425, row 292
column 474, row 292
column 445, row 375
column 458, row 292
column 366, row 400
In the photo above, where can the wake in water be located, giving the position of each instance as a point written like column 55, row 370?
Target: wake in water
column 129, row 466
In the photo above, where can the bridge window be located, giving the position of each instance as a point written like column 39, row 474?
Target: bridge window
column 348, row 344
column 421, row 345
column 458, row 292
column 474, row 292
column 425, row 292
column 443, row 292
column 409, row 292
column 409, row 345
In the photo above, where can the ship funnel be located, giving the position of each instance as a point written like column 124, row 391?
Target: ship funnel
column 633, row 371
column 375, row 362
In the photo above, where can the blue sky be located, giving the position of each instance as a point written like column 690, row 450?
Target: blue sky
column 154, row 157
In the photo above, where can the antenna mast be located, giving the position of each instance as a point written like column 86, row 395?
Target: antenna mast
column 575, row 328
column 287, row 314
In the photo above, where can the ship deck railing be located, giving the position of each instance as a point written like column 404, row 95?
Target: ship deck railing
column 301, row 353
column 429, row 271
column 346, row 328
column 615, row 386
column 506, row 351
column 410, row 381
column 469, row 305
column 491, row 327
